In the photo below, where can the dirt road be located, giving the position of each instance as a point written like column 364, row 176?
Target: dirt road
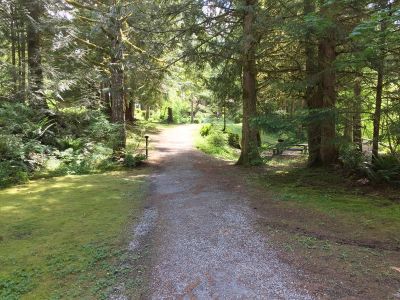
column 205, row 244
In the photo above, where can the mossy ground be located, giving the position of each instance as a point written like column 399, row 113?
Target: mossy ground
column 62, row 237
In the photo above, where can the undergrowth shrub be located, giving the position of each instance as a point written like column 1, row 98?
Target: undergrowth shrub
column 385, row 168
column 351, row 157
column 234, row 140
column 132, row 161
column 217, row 139
column 12, row 172
column 206, row 129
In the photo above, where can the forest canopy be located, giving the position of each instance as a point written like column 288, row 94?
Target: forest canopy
column 81, row 78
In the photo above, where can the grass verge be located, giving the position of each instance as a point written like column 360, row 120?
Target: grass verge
column 62, row 237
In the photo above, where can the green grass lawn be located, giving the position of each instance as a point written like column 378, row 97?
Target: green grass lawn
column 61, row 237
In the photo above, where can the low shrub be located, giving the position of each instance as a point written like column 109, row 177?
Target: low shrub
column 132, row 161
column 234, row 140
column 206, row 129
column 12, row 172
column 385, row 168
column 217, row 139
column 351, row 157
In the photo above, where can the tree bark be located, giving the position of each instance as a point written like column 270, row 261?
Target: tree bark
column 348, row 126
column 117, row 79
column 379, row 84
column 147, row 113
column 249, row 151
column 327, row 84
column 35, row 10
column 357, row 126
column 22, row 59
column 377, row 113
column 13, row 29
column 129, row 111
column 313, row 97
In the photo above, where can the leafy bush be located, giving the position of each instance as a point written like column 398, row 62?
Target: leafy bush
column 234, row 140
column 217, row 139
column 351, row 157
column 131, row 161
column 206, row 129
column 11, row 147
column 12, row 172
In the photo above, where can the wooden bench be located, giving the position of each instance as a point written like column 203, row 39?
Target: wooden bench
column 278, row 150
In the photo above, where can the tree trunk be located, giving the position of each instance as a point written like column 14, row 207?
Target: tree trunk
column 377, row 113
column 249, row 151
column 326, row 59
column 129, row 111
column 117, row 79
column 147, row 114
column 357, row 126
column 379, row 85
column 348, row 127
column 313, row 97
column 22, row 59
column 35, row 10
column 13, row 49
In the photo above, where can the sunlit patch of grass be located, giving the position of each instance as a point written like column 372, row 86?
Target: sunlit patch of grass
column 223, row 152
column 60, row 236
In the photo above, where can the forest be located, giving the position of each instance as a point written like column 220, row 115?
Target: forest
column 296, row 93
column 73, row 75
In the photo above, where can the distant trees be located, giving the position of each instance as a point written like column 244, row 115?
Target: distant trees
column 334, row 65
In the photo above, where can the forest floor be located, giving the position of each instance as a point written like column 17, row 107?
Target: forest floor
column 277, row 231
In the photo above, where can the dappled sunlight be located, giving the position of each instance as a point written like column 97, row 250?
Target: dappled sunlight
column 57, row 218
column 8, row 208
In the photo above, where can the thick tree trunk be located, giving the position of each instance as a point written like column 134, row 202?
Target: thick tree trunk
column 35, row 9
column 327, row 56
column 357, row 126
column 249, row 151
column 117, row 81
column 379, row 85
column 327, row 84
column 313, row 97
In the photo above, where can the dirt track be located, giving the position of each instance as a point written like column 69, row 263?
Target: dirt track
column 205, row 244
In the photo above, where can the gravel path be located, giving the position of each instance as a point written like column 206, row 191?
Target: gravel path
column 205, row 245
